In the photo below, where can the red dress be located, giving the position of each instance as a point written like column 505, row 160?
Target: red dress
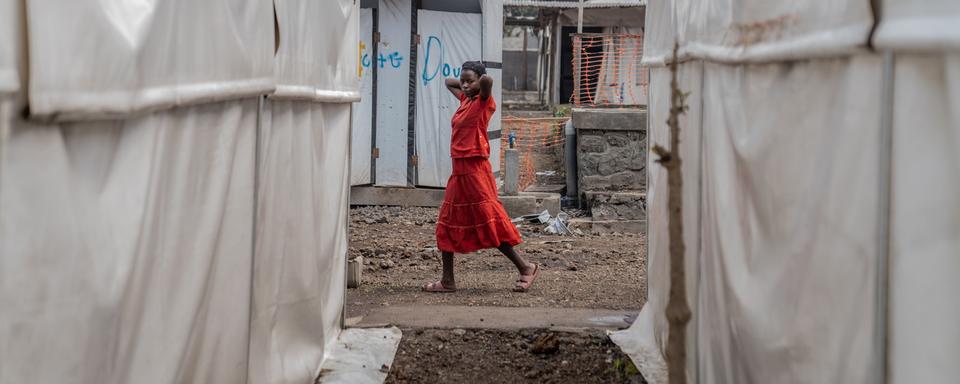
column 471, row 217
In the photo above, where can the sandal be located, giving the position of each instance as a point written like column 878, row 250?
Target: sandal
column 437, row 287
column 525, row 281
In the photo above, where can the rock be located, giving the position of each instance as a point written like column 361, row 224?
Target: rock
column 387, row 264
column 369, row 221
column 545, row 344
column 532, row 374
column 459, row 332
column 571, row 267
column 426, row 256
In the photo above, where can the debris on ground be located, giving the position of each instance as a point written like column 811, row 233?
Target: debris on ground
column 604, row 271
column 546, row 344
column 503, row 356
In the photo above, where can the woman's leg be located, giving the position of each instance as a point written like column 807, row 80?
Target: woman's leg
column 447, row 279
column 522, row 265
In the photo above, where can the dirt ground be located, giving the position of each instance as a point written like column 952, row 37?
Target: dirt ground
column 400, row 255
column 526, row 356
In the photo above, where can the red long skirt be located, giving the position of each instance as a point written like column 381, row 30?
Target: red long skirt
column 471, row 217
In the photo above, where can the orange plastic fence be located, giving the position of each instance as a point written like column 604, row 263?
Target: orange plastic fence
column 531, row 135
column 607, row 70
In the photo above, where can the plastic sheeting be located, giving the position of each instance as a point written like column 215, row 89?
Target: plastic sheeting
column 393, row 91
column 644, row 339
column 756, row 31
column 361, row 145
column 301, row 242
column 790, row 223
column 924, row 338
column 317, row 58
column 817, row 251
column 919, row 26
column 492, row 51
column 93, row 59
column 10, row 40
column 127, row 248
column 193, row 244
column 447, row 40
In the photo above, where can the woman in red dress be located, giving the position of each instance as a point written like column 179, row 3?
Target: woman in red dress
column 471, row 217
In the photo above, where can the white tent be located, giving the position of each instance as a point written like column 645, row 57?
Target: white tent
column 160, row 220
column 821, row 191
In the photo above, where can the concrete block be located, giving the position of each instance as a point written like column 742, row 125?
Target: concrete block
column 354, row 266
column 511, row 172
column 392, row 196
column 610, row 119
column 526, row 203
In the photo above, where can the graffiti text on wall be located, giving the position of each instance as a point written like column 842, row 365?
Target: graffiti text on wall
column 434, row 51
column 433, row 61
column 395, row 59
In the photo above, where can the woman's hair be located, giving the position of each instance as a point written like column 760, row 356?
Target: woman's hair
column 475, row 66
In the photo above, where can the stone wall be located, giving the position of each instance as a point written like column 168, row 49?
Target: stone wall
column 611, row 149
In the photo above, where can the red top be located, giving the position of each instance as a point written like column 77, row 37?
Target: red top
column 469, row 138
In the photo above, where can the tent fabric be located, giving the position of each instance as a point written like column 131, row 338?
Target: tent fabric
column 924, row 338
column 448, row 39
column 744, row 31
column 301, row 239
column 492, row 51
column 644, row 339
column 126, row 248
column 313, row 68
column 361, row 144
column 928, row 25
column 393, row 91
column 90, row 59
column 204, row 242
column 10, row 40
column 790, row 224
column 794, row 275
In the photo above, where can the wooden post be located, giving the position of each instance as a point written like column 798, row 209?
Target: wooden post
column 577, row 48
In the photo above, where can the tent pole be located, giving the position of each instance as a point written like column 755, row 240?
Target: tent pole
column 580, row 17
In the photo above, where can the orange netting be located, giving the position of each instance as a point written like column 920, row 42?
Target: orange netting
column 607, row 71
column 532, row 135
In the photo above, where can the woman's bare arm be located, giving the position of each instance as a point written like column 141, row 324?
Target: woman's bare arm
column 453, row 85
column 486, row 86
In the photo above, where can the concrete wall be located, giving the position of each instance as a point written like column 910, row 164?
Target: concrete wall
column 513, row 70
column 611, row 149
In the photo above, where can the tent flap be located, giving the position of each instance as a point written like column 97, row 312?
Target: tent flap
column 90, row 59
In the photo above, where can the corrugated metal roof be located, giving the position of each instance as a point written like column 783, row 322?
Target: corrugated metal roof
column 575, row 4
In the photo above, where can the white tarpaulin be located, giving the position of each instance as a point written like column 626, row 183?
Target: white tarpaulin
column 301, row 243
column 448, row 39
column 361, row 138
column 10, row 43
column 176, row 246
column 127, row 248
column 492, row 52
column 302, row 192
column 924, row 340
column 90, row 58
column 393, row 91
column 817, row 251
column 317, row 58
column 756, row 31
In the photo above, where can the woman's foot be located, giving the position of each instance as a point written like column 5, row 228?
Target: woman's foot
column 439, row 287
column 526, row 278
